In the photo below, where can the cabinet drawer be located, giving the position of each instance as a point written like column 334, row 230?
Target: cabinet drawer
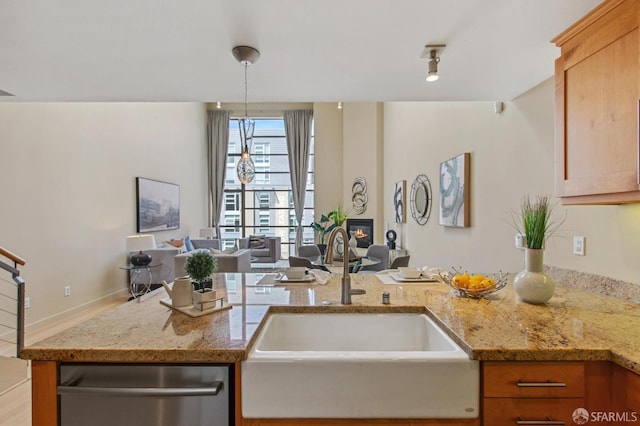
column 533, row 379
column 530, row 411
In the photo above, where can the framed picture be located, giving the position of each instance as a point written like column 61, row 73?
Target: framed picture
column 454, row 191
column 399, row 202
column 158, row 205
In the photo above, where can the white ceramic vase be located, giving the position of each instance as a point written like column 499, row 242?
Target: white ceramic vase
column 353, row 242
column 532, row 285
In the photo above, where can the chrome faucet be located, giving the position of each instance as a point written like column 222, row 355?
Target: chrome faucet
column 347, row 291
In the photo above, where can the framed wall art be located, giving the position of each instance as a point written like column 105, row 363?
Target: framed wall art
column 158, row 205
column 454, row 191
column 399, row 202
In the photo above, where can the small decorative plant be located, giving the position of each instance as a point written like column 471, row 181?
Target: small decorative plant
column 338, row 215
column 200, row 266
column 323, row 228
column 534, row 221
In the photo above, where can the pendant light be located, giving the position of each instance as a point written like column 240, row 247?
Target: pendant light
column 245, row 169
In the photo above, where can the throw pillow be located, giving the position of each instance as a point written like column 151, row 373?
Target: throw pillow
column 230, row 250
column 215, row 251
column 175, row 243
column 187, row 244
column 257, row 242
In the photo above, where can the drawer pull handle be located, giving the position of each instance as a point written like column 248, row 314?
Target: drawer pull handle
column 541, row 384
column 214, row 389
column 548, row 421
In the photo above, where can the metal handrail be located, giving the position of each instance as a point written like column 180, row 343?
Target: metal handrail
column 20, row 285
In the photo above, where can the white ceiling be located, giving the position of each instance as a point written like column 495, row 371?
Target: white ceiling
column 322, row 50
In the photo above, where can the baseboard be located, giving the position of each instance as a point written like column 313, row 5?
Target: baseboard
column 43, row 323
column 9, row 336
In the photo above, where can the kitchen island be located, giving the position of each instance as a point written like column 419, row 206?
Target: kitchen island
column 575, row 325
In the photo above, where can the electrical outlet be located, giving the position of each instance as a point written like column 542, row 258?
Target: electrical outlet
column 578, row 245
column 27, row 302
column 519, row 240
column 67, row 291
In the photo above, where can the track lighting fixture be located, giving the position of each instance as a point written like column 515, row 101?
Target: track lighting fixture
column 434, row 60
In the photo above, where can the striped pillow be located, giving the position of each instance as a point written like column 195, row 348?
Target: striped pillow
column 257, row 242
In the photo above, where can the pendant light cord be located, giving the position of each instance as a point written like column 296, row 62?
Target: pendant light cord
column 246, row 91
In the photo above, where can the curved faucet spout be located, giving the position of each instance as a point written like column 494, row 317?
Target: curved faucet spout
column 346, row 278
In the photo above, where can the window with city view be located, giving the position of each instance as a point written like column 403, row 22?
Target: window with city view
column 264, row 206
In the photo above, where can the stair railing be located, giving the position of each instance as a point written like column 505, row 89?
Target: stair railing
column 19, row 298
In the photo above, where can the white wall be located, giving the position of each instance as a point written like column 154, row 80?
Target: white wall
column 362, row 157
column 68, row 189
column 511, row 156
column 328, row 191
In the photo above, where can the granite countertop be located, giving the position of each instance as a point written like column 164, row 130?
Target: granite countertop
column 574, row 325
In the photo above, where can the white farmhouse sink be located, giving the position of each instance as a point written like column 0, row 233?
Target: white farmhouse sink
column 357, row 366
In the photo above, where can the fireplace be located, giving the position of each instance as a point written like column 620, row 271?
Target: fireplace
column 363, row 229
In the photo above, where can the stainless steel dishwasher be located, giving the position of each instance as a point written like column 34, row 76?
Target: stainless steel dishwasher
column 145, row 395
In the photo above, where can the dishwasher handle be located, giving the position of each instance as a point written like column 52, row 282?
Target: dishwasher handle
column 214, row 389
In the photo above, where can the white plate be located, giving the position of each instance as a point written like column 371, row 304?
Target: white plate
column 421, row 279
column 282, row 278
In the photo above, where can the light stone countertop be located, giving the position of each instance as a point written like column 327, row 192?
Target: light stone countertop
column 575, row 324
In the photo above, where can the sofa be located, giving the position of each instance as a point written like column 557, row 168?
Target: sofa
column 239, row 261
column 263, row 249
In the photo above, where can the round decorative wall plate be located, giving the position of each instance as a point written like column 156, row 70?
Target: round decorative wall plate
column 359, row 195
column 420, row 200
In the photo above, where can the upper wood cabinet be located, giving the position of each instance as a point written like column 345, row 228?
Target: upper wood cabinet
column 597, row 104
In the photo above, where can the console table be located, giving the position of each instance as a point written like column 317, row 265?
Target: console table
column 138, row 285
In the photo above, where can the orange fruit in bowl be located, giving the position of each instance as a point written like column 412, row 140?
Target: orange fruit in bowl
column 473, row 289
column 487, row 284
column 476, row 279
column 460, row 280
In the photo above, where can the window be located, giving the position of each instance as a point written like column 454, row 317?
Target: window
column 265, row 206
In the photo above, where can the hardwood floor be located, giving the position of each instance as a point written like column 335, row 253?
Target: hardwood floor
column 15, row 403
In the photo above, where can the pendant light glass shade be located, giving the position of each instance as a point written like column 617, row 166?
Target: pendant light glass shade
column 245, row 169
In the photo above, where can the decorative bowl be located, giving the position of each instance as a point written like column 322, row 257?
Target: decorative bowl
column 409, row 272
column 474, row 285
column 295, row 272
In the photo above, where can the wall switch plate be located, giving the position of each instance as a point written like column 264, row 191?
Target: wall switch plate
column 67, row 291
column 519, row 241
column 27, row 302
column 578, row 245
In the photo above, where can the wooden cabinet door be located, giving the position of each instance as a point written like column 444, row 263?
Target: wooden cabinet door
column 633, row 391
column 597, row 82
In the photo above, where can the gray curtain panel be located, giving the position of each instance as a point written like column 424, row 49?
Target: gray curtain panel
column 217, row 147
column 297, row 125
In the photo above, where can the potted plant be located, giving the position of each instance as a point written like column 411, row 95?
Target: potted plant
column 338, row 215
column 534, row 223
column 324, row 228
column 200, row 266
